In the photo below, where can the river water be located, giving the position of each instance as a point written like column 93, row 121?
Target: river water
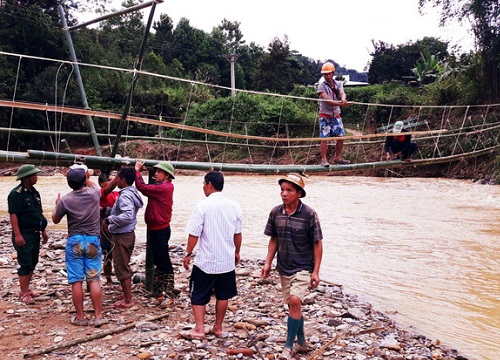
column 424, row 251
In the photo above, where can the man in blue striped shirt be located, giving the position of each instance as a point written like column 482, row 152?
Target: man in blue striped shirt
column 296, row 237
column 215, row 225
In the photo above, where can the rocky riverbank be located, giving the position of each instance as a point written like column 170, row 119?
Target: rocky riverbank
column 338, row 325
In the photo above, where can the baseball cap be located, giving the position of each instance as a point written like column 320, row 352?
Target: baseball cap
column 398, row 126
column 76, row 176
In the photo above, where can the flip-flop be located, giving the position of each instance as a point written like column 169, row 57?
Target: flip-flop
column 81, row 322
column 300, row 349
column 186, row 335
column 98, row 322
column 27, row 299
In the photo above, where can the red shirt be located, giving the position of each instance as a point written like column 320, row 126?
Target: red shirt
column 109, row 200
column 160, row 201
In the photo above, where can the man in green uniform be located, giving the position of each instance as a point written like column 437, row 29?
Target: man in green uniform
column 28, row 222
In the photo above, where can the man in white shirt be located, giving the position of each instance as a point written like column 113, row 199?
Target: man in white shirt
column 215, row 225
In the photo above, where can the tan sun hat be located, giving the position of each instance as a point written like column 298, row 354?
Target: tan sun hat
column 296, row 179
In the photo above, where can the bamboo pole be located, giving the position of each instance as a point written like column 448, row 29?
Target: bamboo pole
column 79, row 81
column 137, row 67
column 152, row 138
column 39, row 157
column 92, row 337
column 117, row 13
column 107, row 115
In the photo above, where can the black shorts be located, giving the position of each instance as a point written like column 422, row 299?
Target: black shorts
column 203, row 285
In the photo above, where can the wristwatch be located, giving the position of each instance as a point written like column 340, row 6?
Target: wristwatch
column 107, row 221
column 188, row 254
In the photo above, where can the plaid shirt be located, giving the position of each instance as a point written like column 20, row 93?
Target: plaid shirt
column 296, row 234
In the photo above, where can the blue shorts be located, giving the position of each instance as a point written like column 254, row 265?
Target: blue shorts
column 331, row 127
column 83, row 258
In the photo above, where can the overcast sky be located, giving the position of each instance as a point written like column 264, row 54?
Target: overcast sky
column 339, row 30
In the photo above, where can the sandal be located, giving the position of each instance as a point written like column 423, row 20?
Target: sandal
column 26, row 298
column 286, row 354
column 98, row 322
column 300, row 349
column 81, row 322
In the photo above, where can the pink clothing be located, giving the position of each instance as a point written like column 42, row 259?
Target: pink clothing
column 160, row 201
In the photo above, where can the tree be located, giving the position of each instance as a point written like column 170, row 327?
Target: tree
column 396, row 62
column 274, row 70
column 163, row 38
column 246, row 66
column 484, row 16
column 124, row 33
column 426, row 68
column 191, row 47
column 230, row 36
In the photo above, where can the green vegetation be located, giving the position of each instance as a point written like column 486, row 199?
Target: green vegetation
column 423, row 72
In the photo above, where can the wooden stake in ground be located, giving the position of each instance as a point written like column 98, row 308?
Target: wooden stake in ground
column 92, row 337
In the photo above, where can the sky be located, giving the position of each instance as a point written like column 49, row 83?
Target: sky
column 339, row 30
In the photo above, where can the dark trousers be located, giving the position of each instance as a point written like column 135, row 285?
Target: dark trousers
column 159, row 245
column 396, row 146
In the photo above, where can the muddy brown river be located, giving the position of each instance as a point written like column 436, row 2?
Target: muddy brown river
column 424, row 251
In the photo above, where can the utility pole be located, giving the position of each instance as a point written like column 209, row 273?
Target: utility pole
column 79, row 81
column 232, row 59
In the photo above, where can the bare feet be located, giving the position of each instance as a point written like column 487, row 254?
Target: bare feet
column 26, row 298
column 122, row 304
column 33, row 294
column 216, row 331
column 192, row 335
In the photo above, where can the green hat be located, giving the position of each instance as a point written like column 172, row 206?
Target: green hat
column 167, row 167
column 27, row 170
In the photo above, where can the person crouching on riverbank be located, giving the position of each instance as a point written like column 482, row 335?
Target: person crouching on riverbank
column 400, row 144
column 296, row 238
